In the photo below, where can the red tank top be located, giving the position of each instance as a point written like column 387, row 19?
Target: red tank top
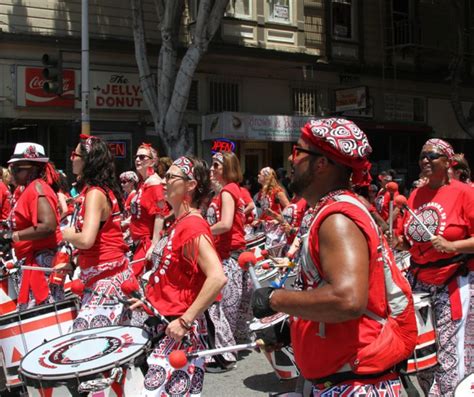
column 321, row 349
column 293, row 215
column 109, row 245
column 177, row 281
column 269, row 201
column 447, row 212
column 148, row 202
column 25, row 214
column 234, row 239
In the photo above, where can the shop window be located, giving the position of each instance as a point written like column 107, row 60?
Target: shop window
column 224, row 96
column 279, row 11
column 344, row 14
column 239, row 9
column 304, row 101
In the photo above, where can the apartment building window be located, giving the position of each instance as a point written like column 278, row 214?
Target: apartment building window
column 344, row 14
column 279, row 11
column 304, row 101
column 224, row 96
column 239, row 9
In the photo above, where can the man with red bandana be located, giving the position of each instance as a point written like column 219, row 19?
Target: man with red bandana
column 347, row 332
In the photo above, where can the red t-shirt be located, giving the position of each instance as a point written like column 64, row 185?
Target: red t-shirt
column 234, row 239
column 5, row 202
column 148, row 202
column 269, row 201
column 322, row 349
column 177, row 281
column 247, row 198
column 128, row 202
column 447, row 212
column 25, row 214
column 109, row 245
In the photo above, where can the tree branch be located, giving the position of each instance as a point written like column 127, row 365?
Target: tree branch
column 146, row 77
column 215, row 18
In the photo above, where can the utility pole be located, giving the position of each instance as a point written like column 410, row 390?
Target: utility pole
column 85, row 90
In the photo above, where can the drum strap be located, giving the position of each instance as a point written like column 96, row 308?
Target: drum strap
column 340, row 377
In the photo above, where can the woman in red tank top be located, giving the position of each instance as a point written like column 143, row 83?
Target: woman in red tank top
column 187, row 279
column 148, row 207
column 442, row 264
column 34, row 222
column 98, row 236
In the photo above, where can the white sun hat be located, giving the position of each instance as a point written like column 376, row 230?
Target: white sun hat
column 29, row 151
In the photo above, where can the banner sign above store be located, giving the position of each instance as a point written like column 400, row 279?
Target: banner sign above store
column 241, row 126
column 30, row 89
column 351, row 99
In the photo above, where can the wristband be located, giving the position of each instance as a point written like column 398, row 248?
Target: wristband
column 184, row 324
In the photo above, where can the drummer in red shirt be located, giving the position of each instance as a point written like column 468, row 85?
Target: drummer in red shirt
column 98, row 236
column 442, row 264
column 187, row 280
column 148, row 207
column 35, row 222
column 5, row 200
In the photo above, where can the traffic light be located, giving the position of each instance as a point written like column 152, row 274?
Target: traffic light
column 53, row 73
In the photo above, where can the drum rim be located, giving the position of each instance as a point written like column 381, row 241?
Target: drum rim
column 27, row 314
column 78, row 373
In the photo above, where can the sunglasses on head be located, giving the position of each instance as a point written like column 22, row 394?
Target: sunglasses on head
column 431, row 155
column 142, row 157
column 74, row 155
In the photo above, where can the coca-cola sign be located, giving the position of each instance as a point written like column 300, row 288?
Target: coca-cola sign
column 31, row 92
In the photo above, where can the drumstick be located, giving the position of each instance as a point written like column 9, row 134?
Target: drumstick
column 274, row 284
column 267, row 265
column 179, row 358
column 11, row 266
column 266, row 254
column 78, row 288
column 392, row 188
column 131, row 288
column 401, row 201
column 247, row 261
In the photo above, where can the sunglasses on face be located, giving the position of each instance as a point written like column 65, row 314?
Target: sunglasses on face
column 297, row 149
column 18, row 168
column 74, row 155
column 169, row 176
column 430, row 156
column 123, row 181
column 142, row 157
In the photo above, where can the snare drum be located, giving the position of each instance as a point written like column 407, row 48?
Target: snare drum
column 81, row 358
column 282, row 361
column 402, row 259
column 8, row 291
column 255, row 241
column 22, row 331
column 266, row 276
column 425, row 354
column 465, row 388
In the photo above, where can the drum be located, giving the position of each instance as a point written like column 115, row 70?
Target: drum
column 22, row 331
column 466, row 387
column 266, row 276
column 8, row 291
column 282, row 361
column 79, row 359
column 255, row 241
column 425, row 354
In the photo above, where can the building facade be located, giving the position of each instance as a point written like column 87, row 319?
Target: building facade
column 391, row 66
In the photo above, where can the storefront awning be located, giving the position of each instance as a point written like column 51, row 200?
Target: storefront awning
column 243, row 126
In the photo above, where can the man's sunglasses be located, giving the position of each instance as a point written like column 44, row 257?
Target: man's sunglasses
column 18, row 168
column 297, row 149
column 431, row 155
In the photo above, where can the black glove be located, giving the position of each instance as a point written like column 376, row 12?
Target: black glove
column 261, row 302
column 276, row 336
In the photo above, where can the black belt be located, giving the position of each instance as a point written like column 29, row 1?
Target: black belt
column 442, row 262
column 340, row 377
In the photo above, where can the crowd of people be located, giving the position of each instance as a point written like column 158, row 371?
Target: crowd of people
column 179, row 227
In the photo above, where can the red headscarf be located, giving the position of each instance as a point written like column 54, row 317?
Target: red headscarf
column 343, row 142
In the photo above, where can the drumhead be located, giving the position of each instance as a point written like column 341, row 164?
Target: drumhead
column 262, row 323
column 84, row 353
column 264, row 274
